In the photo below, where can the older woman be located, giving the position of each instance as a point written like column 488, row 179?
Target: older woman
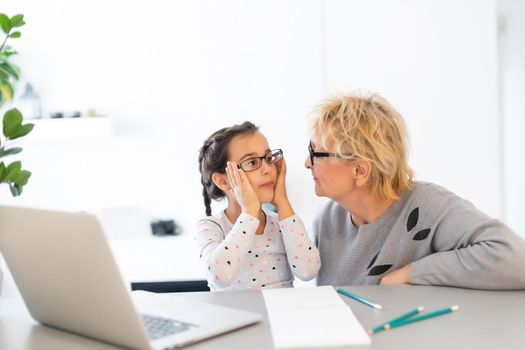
column 381, row 226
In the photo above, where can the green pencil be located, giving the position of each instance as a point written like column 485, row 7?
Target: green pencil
column 422, row 317
column 358, row 298
column 382, row 326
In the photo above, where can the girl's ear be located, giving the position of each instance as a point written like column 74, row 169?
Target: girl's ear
column 362, row 171
column 221, row 181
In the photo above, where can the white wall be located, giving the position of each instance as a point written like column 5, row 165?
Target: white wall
column 512, row 89
column 436, row 62
column 169, row 73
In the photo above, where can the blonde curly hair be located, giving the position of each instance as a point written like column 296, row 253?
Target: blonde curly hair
column 366, row 126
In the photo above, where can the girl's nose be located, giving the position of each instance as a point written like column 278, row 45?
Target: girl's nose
column 266, row 167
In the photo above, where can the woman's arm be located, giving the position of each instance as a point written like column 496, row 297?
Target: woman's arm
column 493, row 259
column 471, row 251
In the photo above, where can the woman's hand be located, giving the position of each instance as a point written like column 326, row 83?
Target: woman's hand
column 280, row 197
column 242, row 190
column 399, row 276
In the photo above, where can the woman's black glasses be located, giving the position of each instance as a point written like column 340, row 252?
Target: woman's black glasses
column 314, row 154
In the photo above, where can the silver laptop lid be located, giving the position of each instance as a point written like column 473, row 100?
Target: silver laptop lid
column 67, row 276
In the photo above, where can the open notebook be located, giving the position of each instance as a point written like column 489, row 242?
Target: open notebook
column 312, row 317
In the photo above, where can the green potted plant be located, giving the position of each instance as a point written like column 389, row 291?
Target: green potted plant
column 11, row 174
column 12, row 127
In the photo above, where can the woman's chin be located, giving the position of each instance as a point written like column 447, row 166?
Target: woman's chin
column 318, row 190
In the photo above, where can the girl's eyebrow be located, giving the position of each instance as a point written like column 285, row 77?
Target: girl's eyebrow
column 247, row 155
column 253, row 154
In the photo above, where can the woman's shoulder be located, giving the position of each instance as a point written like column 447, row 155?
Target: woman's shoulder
column 330, row 211
column 435, row 196
column 430, row 191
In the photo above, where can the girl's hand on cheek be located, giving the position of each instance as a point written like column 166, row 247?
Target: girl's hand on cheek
column 280, row 196
column 242, row 190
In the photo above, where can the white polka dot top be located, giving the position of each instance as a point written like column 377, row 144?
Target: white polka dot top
column 236, row 258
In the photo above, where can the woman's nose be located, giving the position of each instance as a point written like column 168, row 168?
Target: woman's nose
column 307, row 163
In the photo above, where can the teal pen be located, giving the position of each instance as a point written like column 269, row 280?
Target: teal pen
column 382, row 326
column 360, row 299
column 422, row 317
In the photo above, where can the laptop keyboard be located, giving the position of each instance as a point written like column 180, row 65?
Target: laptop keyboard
column 160, row 327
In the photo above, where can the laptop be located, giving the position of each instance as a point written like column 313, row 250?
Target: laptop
column 65, row 271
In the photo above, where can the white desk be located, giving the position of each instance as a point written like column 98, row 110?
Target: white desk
column 486, row 320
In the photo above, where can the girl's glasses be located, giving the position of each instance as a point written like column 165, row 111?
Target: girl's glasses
column 255, row 163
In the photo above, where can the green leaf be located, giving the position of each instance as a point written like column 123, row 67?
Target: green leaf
column 4, row 75
column 7, row 51
column 22, row 131
column 21, row 178
column 12, row 121
column 17, row 21
column 10, row 69
column 15, row 191
column 15, row 35
column 6, row 90
column 5, row 23
column 10, row 151
column 12, row 171
column 2, row 171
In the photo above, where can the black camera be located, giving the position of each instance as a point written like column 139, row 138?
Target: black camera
column 164, row 228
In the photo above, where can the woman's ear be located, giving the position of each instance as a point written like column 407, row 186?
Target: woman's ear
column 362, row 171
column 221, row 181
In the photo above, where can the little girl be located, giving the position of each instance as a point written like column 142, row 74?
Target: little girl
column 244, row 246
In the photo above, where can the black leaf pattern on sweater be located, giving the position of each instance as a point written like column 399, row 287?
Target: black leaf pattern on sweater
column 379, row 269
column 421, row 235
column 373, row 261
column 412, row 219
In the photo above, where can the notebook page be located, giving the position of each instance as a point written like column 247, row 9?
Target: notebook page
column 312, row 317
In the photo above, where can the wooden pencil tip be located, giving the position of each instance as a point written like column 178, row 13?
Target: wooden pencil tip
column 455, row 308
column 370, row 332
column 379, row 307
column 420, row 308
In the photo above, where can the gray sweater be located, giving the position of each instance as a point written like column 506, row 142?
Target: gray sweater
column 446, row 239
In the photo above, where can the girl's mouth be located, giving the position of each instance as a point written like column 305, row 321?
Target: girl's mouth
column 268, row 185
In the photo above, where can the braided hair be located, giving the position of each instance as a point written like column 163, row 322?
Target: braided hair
column 213, row 156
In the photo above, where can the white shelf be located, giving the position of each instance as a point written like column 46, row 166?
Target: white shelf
column 69, row 129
